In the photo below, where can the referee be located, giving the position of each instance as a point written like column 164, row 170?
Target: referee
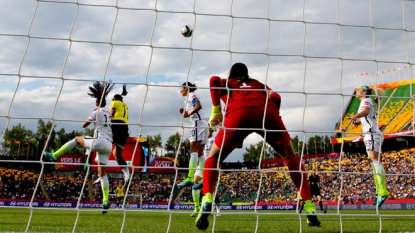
column 120, row 195
column 314, row 183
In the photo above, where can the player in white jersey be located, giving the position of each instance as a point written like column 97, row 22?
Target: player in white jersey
column 101, row 143
column 199, row 132
column 373, row 137
column 198, row 183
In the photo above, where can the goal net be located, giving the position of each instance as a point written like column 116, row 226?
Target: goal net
column 313, row 53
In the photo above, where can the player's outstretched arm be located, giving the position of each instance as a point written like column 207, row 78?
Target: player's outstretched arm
column 215, row 94
column 87, row 122
column 215, row 91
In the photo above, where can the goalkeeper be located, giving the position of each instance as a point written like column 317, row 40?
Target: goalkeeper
column 250, row 107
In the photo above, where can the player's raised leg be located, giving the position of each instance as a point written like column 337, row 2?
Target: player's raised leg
column 68, row 146
column 298, row 173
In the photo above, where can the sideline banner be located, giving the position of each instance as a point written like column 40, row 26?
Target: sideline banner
column 386, row 206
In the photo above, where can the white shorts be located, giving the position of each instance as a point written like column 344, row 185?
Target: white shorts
column 200, row 131
column 100, row 145
column 373, row 142
column 198, row 172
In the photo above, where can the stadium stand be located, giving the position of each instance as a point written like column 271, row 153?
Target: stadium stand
column 235, row 186
column 395, row 115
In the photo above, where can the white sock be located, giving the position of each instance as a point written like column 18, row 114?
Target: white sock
column 202, row 160
column 196, row 197
column 105, row 184
column 97, row 180
column 126, row 171
column 192, row 164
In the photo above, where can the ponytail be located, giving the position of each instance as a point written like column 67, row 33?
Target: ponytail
column 378, row 92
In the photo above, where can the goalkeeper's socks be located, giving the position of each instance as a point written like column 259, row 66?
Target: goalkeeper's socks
column 105, row 188
column 65, row 148
column 194, row 158
column 210, row 177
column 299, row 180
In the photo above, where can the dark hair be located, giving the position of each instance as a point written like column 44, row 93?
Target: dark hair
column 191, row 86
column 239, row 71
column 100, row 89
column 124, row 93
column 378, row 92
column 117, row 97
column 367, row 89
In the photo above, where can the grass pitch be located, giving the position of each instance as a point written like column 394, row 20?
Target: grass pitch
column 149, row 221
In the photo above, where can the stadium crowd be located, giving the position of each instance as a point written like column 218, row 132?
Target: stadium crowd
column 353, row 184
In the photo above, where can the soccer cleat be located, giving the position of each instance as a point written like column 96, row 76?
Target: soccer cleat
column 49, row 155
column 375, row 201
column 187, row 182
column 195, row 212
column 310, row 210
column 324, row 211
column 105, row 207
column 202, row 222
column 198, row 186
column 382, row 199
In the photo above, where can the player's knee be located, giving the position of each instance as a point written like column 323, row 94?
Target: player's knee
column 78, row 139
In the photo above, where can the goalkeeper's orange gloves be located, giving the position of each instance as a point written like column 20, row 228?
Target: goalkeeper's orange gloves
column 216, row 116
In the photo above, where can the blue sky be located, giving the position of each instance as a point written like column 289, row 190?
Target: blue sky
column 311, row 52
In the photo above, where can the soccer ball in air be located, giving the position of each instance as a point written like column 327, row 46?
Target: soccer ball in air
column 187, row 31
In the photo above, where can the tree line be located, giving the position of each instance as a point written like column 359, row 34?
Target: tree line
column 19, row 141
column 314, row 145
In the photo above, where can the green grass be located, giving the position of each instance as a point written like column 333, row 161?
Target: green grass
column 91, row 220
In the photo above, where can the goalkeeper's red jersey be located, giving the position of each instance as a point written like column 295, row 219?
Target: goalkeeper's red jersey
column 237, row 94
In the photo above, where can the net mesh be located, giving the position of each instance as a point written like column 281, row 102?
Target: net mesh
column 313, row 53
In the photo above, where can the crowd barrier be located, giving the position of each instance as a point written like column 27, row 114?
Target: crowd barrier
column 387, row 206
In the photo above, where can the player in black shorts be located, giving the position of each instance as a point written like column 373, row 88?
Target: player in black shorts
column 119, row 126
column 314, row 183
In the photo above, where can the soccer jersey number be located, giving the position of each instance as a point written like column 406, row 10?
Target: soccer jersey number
column 106, row 121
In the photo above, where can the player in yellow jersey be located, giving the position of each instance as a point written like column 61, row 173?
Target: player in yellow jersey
column 119, row 125
column 120, row 194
